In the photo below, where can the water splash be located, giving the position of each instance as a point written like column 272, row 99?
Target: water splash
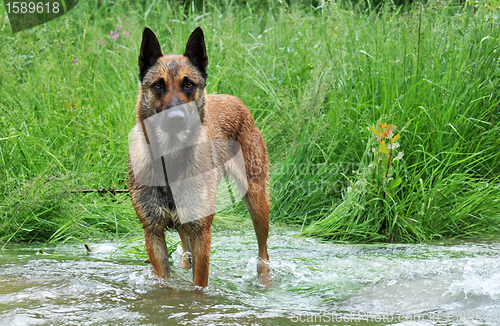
column 309, row 277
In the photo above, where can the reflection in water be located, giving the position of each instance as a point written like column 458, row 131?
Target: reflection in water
column 71, row 288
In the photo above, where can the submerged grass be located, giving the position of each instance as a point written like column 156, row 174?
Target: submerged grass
column 315, row 79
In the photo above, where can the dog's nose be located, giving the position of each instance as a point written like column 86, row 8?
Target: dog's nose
column 176, row 117
column 174, row 120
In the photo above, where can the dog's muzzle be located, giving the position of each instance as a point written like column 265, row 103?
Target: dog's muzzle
column 175, row 120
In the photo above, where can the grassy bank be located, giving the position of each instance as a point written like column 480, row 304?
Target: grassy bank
column 315, row 80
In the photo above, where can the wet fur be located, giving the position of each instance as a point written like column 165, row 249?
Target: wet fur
column 222, row 117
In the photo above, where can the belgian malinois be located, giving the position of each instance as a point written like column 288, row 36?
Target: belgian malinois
column 183, row 144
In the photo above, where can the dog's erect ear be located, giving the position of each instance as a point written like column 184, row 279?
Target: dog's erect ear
column 150, row 52
column 196, row 51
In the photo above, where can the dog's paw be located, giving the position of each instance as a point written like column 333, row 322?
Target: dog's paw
column 264, row 272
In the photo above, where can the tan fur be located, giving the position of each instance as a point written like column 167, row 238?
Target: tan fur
column 222, row 117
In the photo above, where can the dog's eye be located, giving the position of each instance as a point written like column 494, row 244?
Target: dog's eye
column 189, row 85
column 157, row 85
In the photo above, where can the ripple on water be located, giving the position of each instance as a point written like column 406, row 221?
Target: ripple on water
column 69, row 287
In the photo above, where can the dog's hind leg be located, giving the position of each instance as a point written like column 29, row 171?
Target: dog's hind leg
column 257, row 196
column 186, row 250
column 258, row 206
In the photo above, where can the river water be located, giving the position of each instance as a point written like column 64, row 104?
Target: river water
column 314, row 283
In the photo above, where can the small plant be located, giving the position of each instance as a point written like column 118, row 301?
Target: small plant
column 384, row 176
column 371, row 210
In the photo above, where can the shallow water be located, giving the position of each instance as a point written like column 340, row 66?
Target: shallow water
column 314, row 283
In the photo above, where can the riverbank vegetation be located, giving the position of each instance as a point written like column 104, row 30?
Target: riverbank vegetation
column 316, row 76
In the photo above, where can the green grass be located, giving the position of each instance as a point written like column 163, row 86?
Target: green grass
column 314, row 78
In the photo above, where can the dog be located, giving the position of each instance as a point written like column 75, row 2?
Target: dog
column 184, row 142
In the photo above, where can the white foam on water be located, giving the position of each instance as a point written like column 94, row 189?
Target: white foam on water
column 308, row 277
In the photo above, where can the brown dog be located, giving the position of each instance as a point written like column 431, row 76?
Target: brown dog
column 183, row 143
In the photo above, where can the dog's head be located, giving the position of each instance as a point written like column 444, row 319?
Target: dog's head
column 169, row 81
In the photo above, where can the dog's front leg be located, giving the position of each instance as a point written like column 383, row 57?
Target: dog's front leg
column 200, row 243
column 157, row 249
